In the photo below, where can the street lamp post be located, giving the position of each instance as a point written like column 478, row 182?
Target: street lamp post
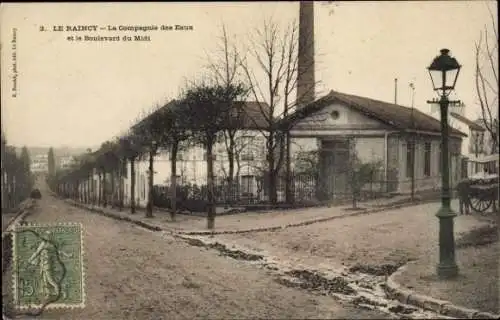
column 444, row 72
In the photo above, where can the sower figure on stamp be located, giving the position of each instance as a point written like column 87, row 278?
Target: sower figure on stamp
column 463, row 196
column 45, row 257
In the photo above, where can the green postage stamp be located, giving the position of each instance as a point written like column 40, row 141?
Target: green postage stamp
column 48, row 266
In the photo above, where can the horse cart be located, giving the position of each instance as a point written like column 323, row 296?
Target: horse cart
column 483, row 192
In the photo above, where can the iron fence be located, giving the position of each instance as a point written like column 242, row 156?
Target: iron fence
column 304, row 188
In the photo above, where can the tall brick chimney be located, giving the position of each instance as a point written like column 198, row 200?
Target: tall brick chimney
column 305, row 76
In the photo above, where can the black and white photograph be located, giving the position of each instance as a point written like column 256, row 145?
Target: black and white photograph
column 250, row 160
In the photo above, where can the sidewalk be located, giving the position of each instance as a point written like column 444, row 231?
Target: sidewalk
column 248, row 221
column 476, row 287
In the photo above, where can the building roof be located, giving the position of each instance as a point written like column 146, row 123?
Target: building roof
column 394, row 115
column 472, row 125
column 247, row 114
column 252, row 114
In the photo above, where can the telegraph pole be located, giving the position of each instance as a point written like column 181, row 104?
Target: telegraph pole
column 413, row 141
column 395, row 90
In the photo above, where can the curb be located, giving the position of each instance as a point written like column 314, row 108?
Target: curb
column 397, row 292
column 303, row 223
column 24, row 210
column 116, row 217
column 225, row 232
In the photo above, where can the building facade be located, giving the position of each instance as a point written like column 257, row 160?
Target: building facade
column 66, row 162
column 341, row 129
column 345, row 127
column 192, row 167
column 40, row 164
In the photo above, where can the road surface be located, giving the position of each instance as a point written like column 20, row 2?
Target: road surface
column 133, row 273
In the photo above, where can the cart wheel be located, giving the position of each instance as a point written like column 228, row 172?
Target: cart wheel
column 480, row 205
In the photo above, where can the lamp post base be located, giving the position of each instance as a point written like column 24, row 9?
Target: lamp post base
column 447, row 267
column 447, row 270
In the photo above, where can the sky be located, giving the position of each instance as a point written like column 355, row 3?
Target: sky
column 77, row 93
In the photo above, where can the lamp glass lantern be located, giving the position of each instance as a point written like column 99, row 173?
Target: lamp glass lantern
column 444, row 71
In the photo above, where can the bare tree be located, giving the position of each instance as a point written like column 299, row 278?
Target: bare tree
column 360, row 173
column 175, row 131
column 131, row 150
column 275, row 51
column 150, row 133
column 105, row 162
column 206, row 109
column 239, row 145
column 225, row 71
column 486, row 77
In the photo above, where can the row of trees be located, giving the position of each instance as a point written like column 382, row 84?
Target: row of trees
column 17, row 180
column 200, row 118
column 211, row 111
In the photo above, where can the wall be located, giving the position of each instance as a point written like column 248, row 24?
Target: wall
column 393, row 163
column 370, row 149
column 466, row 141
column 299, row 145
column 347, row 119
column 432, row 182
column 193, row 168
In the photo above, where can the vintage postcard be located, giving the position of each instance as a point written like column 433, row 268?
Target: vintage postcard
column 285, row 159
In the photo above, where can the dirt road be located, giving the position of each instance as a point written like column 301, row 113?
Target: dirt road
column 390, row 237
column 137, row 274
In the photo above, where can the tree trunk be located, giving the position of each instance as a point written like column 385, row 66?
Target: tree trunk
column 87, row 190
column 354, row 190
column 289, row 194
column 412, row 150
column 78, row 195
column 132, row 185
column 120, row 185
column 210, row 188
column 149, row 207
column 2, row 187
column 273, row 193
column 230, row 179
column 173, row 181
column 99, row 189
column 273, row 196
column 83, row 191
column 92, row 187
column 113, row 189
column 104, row 189
column 79, row 191
column 13, row 193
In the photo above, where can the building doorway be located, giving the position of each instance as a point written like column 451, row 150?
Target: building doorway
column 333, row 182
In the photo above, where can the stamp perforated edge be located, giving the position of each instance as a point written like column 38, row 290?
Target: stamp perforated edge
column 83, row 265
